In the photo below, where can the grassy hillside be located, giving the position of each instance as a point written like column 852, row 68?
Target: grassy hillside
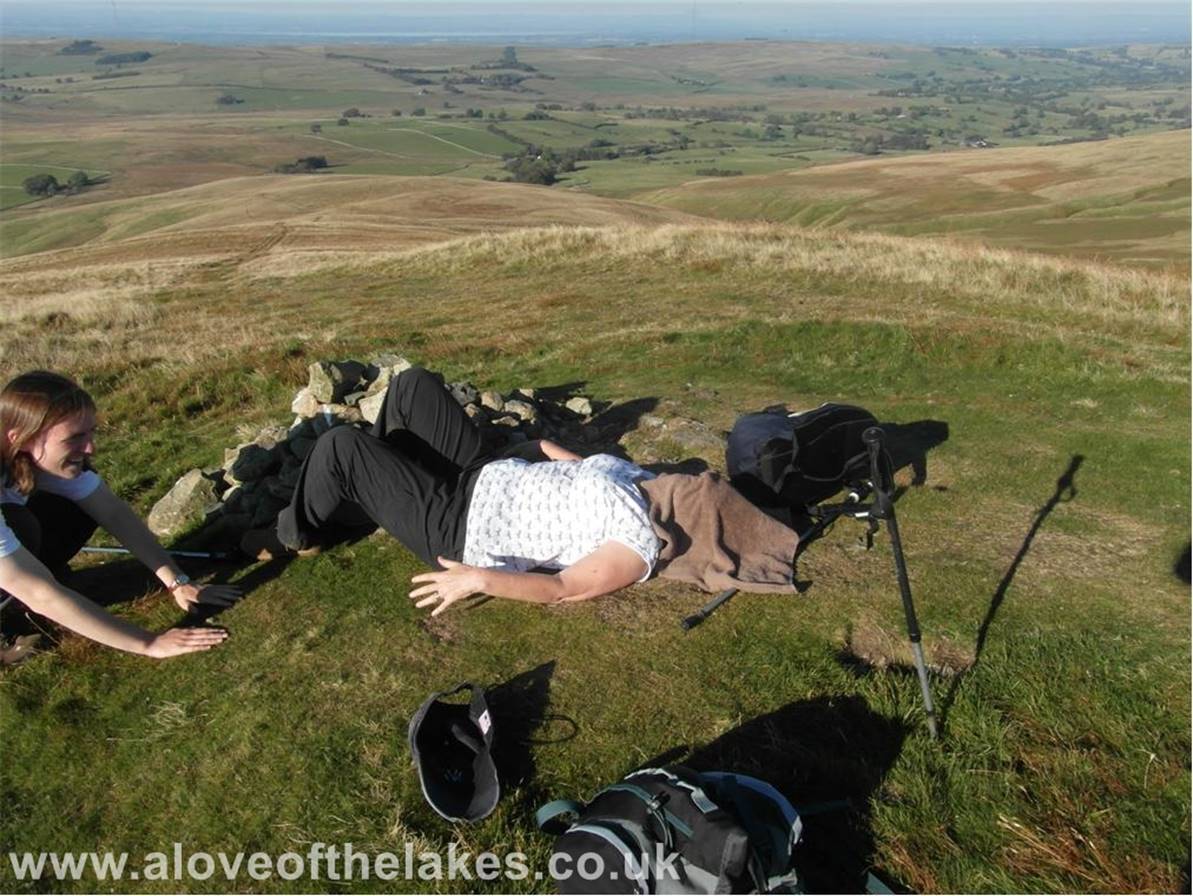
column 311, row 213
column 1059, row 628
column 1123, row 200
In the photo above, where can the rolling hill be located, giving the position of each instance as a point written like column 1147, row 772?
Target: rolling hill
column 1125, row 200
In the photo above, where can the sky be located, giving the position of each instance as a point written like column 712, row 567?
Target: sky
column 565, row 22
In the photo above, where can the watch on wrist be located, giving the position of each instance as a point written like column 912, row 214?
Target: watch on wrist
column 183, row 579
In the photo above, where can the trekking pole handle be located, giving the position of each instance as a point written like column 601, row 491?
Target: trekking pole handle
column 872, row 438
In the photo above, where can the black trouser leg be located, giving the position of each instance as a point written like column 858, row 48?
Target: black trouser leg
column 421, row 417
column 349, row 469
column 50, row 527
column 411, row 476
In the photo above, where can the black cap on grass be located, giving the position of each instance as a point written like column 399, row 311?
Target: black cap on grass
column 452, row 744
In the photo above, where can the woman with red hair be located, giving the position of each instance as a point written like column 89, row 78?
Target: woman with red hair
column 51, row 503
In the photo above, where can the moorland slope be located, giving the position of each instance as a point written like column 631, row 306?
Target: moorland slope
column 1125, row 200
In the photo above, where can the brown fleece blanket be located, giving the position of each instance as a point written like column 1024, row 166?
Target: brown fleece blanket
column 715, row 539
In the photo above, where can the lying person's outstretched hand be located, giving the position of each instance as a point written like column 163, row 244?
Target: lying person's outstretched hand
column 453, row 583
column 190, row 596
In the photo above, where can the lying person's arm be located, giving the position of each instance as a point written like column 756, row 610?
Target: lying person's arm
column 24, row 577
column 126, row 527
column 609, row 568
column 556, row 452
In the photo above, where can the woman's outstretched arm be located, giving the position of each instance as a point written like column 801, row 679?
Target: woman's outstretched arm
column 24, row 577
column 123, row 523
column 609, row 568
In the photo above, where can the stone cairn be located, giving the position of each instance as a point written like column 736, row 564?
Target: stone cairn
column 258, row 477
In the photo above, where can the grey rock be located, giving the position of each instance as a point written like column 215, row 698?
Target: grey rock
column 528, row 393
column 274, row 486
column 523, row 410
column 302, row 428
column 579, row 405
column 333, row 415
column 383, row 368
column 290, row 473
column 330, row 381
column 250, row 461
column 492, row 400
column 507, row 420
column 305, row 404
column 370, row 406
column 233, row 499
column 271, row 436
column 355, row 397
column 464, row 393
column 191, row 499
column 476, row 412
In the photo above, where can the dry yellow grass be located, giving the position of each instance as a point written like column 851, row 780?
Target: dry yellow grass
column 1126, row 199
column 110, row 307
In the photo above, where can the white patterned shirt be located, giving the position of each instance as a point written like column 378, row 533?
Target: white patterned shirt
column 524, row 515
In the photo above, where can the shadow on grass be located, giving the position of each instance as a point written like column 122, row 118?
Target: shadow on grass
column 519, row 708
column 1064, row 492
column 908, row 445
column 829, row 757
column 1182, row 568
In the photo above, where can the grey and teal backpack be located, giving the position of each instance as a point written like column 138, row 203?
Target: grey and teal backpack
column 674, row 830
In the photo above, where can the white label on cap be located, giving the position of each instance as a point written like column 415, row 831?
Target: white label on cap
column 484, row 722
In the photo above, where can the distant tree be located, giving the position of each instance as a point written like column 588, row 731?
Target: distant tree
column 227, row 99
column 420, row 111
column 316, row 128
column 537, row 115
column 41, row 185
column 121, row 58
column 78, row 180
column 80, row 48
column 530, row 170
column 351, row 113
column 509, row 56
column 343, row 122
column 396, row 113
column 305, row 165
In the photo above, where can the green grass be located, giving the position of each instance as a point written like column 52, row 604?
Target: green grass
column 1065, row 762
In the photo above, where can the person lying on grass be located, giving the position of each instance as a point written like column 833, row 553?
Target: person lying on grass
column 486, row 524
column 52, row 502
column 423, row 475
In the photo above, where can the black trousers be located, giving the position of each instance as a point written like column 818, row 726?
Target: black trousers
column 412, row 474
column 50, row 527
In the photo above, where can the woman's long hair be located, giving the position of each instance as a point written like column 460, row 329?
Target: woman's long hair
column 28, row 404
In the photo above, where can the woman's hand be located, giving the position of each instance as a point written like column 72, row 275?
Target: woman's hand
column 175, row 641
column 453, row 583
column 190, row 596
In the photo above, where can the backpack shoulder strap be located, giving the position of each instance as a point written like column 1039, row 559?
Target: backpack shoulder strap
column 548, row 816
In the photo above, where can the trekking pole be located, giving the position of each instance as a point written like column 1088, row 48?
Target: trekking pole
column 690, row 622
column 202, row 555
column 884, row 509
